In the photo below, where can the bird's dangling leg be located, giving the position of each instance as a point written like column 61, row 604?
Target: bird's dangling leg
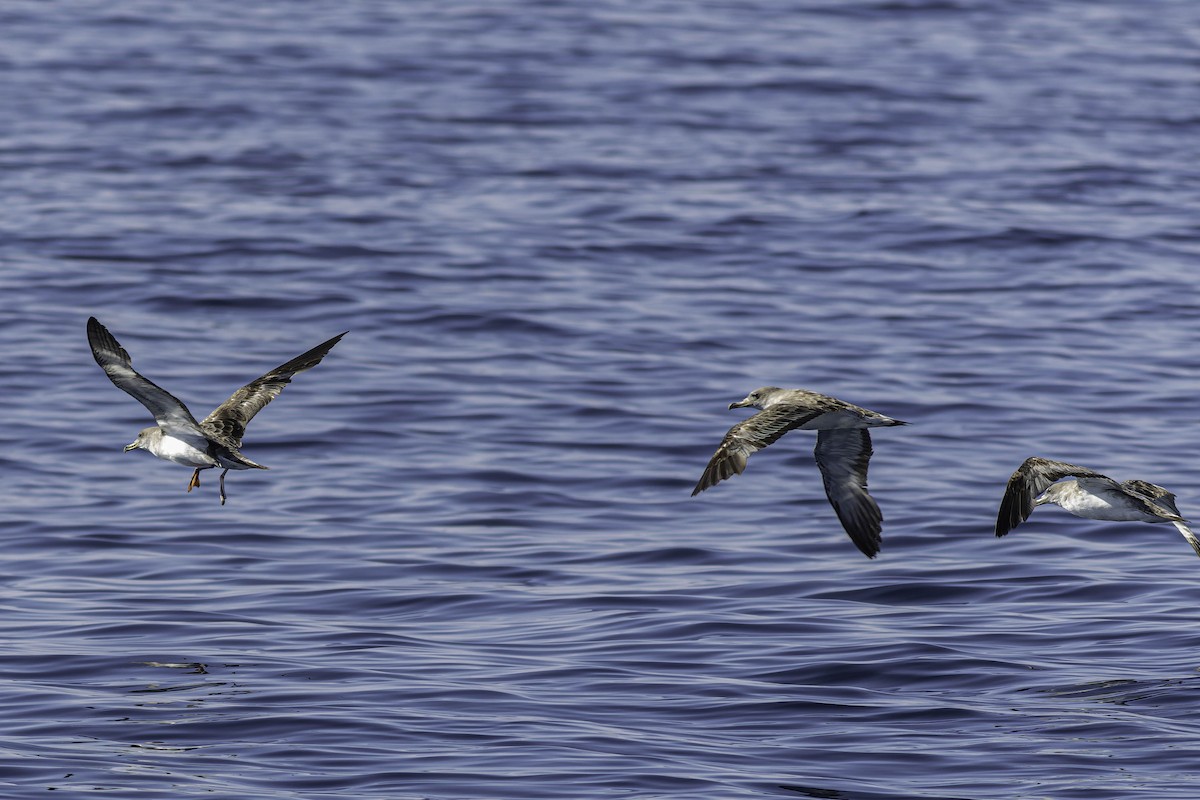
column 223, row 487
column 195, row 481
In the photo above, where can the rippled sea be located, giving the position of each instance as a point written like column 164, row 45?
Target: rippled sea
column 564, row 236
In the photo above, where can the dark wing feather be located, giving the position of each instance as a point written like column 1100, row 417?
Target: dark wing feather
column 227, row 423
column 749, row 436
column 843, row 455
column 1032, row 478
column 1162, row 502
column 1159, row 500
column 169, row 412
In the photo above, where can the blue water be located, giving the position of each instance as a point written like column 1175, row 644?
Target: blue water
column 564, row 236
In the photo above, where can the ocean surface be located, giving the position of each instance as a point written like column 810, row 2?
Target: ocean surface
column 564, row 236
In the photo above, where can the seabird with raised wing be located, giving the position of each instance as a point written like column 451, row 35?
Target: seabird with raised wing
column 217, row 440
column 1088, row 494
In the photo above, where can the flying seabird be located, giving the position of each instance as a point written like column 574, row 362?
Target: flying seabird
column 842, row 452
column 215, row 442
column 1087, row 494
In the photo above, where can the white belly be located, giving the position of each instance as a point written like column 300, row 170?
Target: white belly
column 182, row 452
column 1104, row 505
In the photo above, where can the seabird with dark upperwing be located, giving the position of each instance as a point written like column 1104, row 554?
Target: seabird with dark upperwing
column 842, row 452
column 217, row 440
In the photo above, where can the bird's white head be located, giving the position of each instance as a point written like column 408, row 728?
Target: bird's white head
column 759, row 398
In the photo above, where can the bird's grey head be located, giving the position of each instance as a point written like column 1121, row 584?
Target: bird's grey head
column 1055, row 492
column 759, row 398
column 145, row 436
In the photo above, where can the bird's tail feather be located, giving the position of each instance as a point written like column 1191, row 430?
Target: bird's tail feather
column 1187, row 534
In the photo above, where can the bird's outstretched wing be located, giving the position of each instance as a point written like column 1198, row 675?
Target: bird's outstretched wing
column 749, row 436
column 843, row 454
column 227, row 423
column 1162, row 502
column 1158, row 499
column 169, row 412
column 1032, row 478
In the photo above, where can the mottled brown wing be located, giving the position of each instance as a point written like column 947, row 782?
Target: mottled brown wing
column 1162, row 502
column 1158, row 499
column 750, row 436
column 227, row 423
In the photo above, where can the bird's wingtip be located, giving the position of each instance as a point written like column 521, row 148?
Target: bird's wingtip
column 869, row 547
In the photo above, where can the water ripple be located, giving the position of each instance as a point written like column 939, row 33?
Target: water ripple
column 563, row 239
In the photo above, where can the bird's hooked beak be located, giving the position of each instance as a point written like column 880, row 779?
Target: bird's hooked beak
column 131, row 446
column 743, row 403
